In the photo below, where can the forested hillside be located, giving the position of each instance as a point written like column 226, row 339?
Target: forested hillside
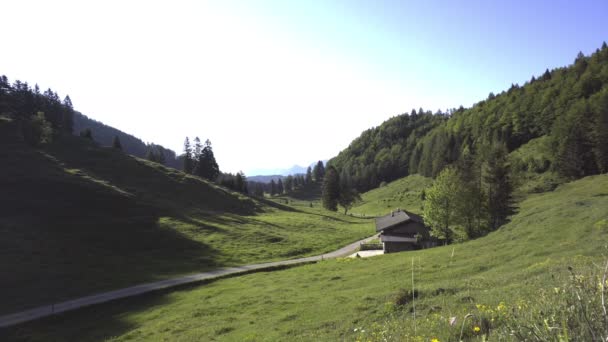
column 568, row 104
column 105, row 136
column 40, row 113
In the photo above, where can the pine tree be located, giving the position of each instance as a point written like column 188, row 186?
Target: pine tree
column 308, row 176
column 196, row 156
column 188, row 161
column 207, row 166
column 348, row 194
column 499, row 187
column 68, row 115
column 238, row 182
column 116, row 143
column 600, row 131
column 273, row 188
column 331, row 189
column 471, row 205
column 288, row 184
column 160, row 156
column 319, row 171
column 280, row 188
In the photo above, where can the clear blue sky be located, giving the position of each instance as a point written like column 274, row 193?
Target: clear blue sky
column 277, row 83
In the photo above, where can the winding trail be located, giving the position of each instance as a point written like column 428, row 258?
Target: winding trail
column 48, row 310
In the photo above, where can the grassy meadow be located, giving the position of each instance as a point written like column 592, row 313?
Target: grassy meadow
column 402, row 193
column 491, row 287
column 76, row 219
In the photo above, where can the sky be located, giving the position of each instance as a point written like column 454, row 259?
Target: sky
column 278, row 83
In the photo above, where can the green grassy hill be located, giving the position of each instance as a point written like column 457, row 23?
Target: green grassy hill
column 76, row 218
column 509, row 277
column 403, row 193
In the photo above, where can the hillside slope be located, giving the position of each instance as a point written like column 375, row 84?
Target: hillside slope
column 404, row 193
column 511, row 269
column 76, row 218
column 568, row 104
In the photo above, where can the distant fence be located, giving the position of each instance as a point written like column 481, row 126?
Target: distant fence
column 370, row 246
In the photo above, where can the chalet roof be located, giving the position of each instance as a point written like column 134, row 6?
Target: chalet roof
column 395, row 218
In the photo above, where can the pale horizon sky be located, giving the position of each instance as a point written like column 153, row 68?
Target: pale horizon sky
column 278, row 83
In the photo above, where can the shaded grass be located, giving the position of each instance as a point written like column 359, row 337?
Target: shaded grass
column 354, row 299
column 76, row 219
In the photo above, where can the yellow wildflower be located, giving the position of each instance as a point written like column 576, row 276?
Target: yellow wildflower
column 476, row 329
column 434, row 340
column 501, row 306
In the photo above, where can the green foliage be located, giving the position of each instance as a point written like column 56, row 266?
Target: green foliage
column 568, row 104
column 318, row 172
column 503, row 283
column 349, row 196
column 499, row 191
column 188, row 162
column 331, row 189
column 206, row 166
column 441, row 205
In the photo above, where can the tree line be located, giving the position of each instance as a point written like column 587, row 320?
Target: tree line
column 42, row 116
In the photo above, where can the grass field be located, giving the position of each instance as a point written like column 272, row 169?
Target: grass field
column 77, row 219
column 367, row 299
column 403, row 193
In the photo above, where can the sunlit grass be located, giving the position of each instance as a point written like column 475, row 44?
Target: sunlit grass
column 356, row 299
column 404, row 193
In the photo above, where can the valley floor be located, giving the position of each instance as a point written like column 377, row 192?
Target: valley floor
column 513, row 270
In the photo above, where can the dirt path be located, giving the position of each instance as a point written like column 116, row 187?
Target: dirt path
column 48, row 310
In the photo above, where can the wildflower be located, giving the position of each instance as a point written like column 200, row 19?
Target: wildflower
column 476, row 329
column 501, row 306
column 434, row 340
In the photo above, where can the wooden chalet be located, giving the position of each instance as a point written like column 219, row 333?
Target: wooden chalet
column 402, row 231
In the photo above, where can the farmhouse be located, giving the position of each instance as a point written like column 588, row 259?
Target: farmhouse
column 402, row 231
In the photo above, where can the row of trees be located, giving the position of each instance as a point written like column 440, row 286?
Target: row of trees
column 199, row 159
column 472, row 197
column 36, row 111
column 338, row 189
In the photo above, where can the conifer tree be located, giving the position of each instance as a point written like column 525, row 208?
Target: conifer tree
column 273, row 188
column 308, row 176
column 196, row 155
column 188, row 160
column 160, row 156
column 280, row 188
column 288, row 184
column 331, row 189
column 348, row 194
column 116, row 143
column 319, row 172
column 207, row 166
column 499, row 187
column 68, row 115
